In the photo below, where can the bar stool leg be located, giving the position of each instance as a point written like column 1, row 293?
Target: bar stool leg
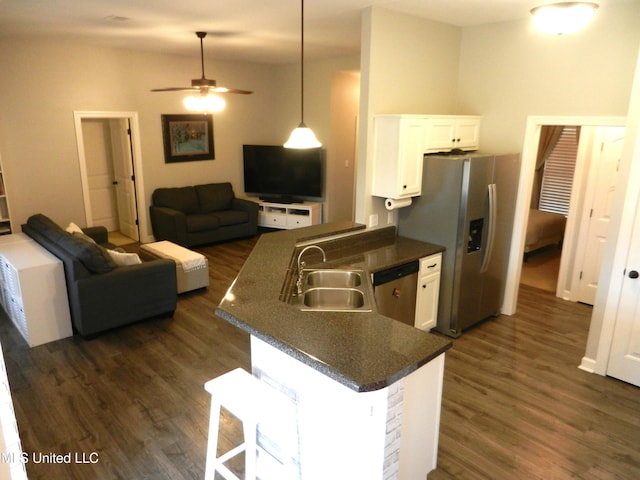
column 212, row 442
column 249, row 430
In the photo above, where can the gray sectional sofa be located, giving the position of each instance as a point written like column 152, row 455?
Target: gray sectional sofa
column 201, row 214
column 101, row 294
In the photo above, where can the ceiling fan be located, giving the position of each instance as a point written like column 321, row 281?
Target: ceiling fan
column 202, row 85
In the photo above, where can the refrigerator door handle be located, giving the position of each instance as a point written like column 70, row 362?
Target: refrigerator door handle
column 493, row 205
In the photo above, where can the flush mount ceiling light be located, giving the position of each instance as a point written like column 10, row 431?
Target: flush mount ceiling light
column 204, row 98
column 302, row 136
column 564, row 17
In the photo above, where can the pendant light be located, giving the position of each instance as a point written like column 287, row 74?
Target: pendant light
column 302, row 136
column 563, row 17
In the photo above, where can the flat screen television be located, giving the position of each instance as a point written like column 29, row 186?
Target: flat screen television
column 281, row 174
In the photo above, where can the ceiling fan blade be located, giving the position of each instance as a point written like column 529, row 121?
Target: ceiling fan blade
column 231, row 90
column 202, row 84
column 176, row 89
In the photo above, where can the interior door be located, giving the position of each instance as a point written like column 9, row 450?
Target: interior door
column 624, row 357
column 124, row 179
column 99, row 173
column 601, row 185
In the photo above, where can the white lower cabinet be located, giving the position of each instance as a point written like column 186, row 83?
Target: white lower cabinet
column 428, row 292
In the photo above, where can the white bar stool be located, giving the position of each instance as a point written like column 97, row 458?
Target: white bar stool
column 244, row 396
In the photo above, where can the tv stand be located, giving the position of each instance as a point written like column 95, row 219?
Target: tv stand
column 289, row 215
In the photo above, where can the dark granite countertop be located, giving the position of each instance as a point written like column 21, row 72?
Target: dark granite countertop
column 364, row 351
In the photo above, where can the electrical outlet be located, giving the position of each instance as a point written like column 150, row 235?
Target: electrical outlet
column 391, row 217
column 373, row 220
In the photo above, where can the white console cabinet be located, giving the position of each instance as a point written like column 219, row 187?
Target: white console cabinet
column 289, row 215
column 34, row 292
column 428, row 292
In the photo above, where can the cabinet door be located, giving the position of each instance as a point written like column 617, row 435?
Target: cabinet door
column 411, row 158
column 427, row 301
column 468, row 134
column 440, row 135
column 444, row 134
column 398, row 156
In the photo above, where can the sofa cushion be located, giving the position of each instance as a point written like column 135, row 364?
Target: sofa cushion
column 231, row 217
column 202, row 222
column 214, row 196
column 183, row 199
column 94, row 257
column 46, row 227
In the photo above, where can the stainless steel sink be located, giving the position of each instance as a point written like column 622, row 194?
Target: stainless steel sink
column 334, row 278
column 335, row 290
column 333, row 298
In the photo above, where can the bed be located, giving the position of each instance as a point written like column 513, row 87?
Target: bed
column 543, row 229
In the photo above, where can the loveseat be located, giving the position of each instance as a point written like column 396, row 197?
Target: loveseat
column 103, row 295
column 201, row 214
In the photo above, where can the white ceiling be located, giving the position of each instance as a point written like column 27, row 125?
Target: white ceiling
column 266, row 31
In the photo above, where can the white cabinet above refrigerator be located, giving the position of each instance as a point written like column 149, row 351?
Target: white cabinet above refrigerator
column 401, row 141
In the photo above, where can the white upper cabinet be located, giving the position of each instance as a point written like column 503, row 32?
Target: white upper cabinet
column 400, row 142
column 444, row 133
column 398, row 152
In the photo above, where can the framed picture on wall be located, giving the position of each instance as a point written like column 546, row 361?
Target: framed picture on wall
column 187, row 137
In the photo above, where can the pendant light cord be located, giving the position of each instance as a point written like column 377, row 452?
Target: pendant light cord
column 301, row 62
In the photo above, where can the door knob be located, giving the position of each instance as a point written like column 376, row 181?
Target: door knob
column 634, row 274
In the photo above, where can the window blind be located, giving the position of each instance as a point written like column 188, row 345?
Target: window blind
column 557, row 178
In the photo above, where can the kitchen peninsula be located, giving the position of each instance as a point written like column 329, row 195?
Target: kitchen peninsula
column 364, row 390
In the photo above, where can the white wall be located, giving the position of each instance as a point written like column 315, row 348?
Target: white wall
column 43, row 83
column 408, row 65
column 509, row 71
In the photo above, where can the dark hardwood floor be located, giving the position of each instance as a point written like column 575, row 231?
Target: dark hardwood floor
column 515, row 404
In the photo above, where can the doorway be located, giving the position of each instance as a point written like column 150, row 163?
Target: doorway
column 594, row 152
column 525, row 187
column 111, row 173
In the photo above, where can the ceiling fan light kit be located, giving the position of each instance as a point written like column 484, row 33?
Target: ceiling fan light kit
column 204, row 103
column 203, row 99
column 563, row 17
column 302, row 136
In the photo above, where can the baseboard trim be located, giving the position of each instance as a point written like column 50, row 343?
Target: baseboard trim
column 588, row 365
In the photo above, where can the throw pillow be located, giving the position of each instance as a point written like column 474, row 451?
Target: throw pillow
column 123, row 259
column 73, row 228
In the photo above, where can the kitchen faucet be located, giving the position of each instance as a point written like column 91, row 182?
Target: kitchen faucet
column 301, row 264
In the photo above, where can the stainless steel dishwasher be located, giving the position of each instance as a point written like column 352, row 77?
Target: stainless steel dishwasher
column 395, row 292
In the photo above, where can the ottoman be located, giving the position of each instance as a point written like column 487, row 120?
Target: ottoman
column 192, row 268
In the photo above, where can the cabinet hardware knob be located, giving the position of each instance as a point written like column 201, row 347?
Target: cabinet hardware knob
column 404, row 186
column 634, row 274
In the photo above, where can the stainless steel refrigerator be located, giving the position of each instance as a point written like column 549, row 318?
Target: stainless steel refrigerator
column 467, row 205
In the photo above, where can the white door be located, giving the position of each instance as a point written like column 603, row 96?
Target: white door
column 624, row 357
column 100, row 173
column 124, row 179
column 601, row 185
